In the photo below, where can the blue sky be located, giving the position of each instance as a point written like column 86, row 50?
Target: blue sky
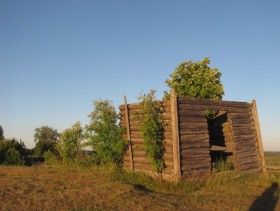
column 56, row 57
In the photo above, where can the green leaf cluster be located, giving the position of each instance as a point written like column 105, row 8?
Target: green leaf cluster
column 151, row 126
column 196, row 80
column 13, row 152
column 45, row 138
column 105, row 135
column 70, row 144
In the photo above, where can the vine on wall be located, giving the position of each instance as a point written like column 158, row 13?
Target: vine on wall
column 152, row 128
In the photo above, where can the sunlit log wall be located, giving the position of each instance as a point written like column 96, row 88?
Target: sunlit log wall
column 188, row 152
column 140, row 161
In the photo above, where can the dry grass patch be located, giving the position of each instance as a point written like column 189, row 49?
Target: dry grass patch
column 64, row 188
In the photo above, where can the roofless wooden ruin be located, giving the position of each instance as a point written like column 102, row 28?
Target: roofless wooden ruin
column 191, row 141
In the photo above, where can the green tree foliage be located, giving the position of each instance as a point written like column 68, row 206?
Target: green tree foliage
column 12, row 157
column 151, row 126
column 104, row 134
column 8, row 154
column 69, row 144
column 1, row 133
column 45, row 138
column 196, row 80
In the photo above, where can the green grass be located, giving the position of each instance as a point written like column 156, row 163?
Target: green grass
column 105, row 188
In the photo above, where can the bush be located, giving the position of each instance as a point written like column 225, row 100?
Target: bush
column 105, row 135
column 69, row 144
column 50, row 158
column 12, row 157
column 11, row 150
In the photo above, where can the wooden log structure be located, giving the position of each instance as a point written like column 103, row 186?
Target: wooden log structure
column 189, row 140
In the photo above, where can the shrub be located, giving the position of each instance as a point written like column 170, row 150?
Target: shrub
column 50, row 158
column 13, row 157
column 69, row 144
column 105, row 135
column 8, row 147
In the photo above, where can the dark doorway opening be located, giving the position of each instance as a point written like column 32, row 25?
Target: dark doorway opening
column 221, row 143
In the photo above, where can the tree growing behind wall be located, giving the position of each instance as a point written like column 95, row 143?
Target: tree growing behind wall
column 104, row 134
column 196, row 80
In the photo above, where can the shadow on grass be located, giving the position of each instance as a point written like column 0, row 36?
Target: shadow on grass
column 268, row 200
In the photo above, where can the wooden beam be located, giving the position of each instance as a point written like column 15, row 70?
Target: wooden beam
column 259, row 137
column 128, row 134
column 175, row 133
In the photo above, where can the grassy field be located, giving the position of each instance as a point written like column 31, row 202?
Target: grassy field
column 63, row 188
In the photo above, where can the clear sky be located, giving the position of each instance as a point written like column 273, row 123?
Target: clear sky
column 57, row 56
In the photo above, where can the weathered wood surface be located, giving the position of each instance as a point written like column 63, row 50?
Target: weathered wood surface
column 175, row 134
column 132, row 125
column 259, row 136
column 218, row 103
column 187, row 118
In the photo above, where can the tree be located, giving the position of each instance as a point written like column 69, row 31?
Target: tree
column 13, row 152
column 104, row 134
column 70, row 143
column 1, row 133
column 13, row 157
column 196, row 80
column 45, row 138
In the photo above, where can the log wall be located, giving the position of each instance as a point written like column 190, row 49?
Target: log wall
column 186, row 136
column 139, row 159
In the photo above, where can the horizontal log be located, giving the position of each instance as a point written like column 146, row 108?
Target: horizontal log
column 201, row 137
column 243, row 127
column 195, row 162
column 243, row 132
column 245, row 115
column 247, row 160
column 245, row 144
column 198, row 126
column 249, row 166
column 241, row 121
column 218, row 103
column 191, row 113
column 200, row 156
column 246, row 152
column 244, row 137
column 192, row 120
column 200, row 151
column 246, row 149
column 215, row 108
column 165, row 103
column 244, row 155
column 192, row 167
column 194, row 146
column 193, row 132
column 195, row 158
